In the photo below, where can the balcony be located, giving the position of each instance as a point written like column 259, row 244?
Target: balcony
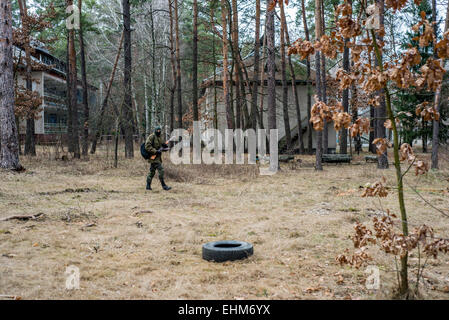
column 55, row 128
column 54, row 96
column 55, row 105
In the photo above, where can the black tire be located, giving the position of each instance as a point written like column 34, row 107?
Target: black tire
column 221, row 251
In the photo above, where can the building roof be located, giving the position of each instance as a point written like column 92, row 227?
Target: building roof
column 299, row 67
column 43, row 56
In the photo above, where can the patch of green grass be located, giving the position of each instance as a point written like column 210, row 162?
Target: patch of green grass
column 349, row 210
column 264, row 293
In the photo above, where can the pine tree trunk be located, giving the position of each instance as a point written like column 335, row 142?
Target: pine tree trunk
column 153, row 93
column 85, row 149
column 235, row 54
column 73, row 91
column 288, row 133
column 355, row 115
column 381, row 110
column 173, row 68
column 146, row 106
column 69, row 97
column 195, row 62
column 178, row 66
column 319, row 134
column 324, row 85
column 226, row 97
column 271, row 63
column 127, row 103
column 345, row 102
column 9, row 143
column 245, row 117
column 309, row 89
column 436, row 124
column 255, row 93
column 30, row 143
column 424, row 136
column 214, row 58
column 262, row 78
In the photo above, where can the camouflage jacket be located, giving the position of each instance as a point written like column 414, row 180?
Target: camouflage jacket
column 152, row 145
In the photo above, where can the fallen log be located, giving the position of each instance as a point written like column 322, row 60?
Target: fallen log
column 23, row 218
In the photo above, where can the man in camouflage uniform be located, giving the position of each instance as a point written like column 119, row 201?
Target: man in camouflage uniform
column 154, row 145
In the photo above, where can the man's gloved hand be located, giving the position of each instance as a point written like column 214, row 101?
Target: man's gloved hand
column 165, row 146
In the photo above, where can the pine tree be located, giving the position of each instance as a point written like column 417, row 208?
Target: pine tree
column 9, row 144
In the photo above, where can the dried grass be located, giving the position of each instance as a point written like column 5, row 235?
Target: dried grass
column 147, row 245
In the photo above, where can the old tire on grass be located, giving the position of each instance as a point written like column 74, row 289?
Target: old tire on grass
column 221, row 251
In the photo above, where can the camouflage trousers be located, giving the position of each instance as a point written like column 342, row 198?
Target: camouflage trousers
column 156, row 166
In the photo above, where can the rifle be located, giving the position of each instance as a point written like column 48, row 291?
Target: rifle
column 161, row 150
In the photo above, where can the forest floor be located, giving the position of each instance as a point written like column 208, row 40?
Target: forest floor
column 132, row 244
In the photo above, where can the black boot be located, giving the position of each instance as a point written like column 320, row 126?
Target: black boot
column 149, row 184
column 164, row 186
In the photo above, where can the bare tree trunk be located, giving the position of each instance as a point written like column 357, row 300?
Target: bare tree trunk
column 382, row 109
column 231, row 76
column 288, row 133
column 235, row 54
column 403, row 282
column 178, row 66
column 136, row 109
column 319, row 134
column 73, row 91
column 324, row 85
column 355, row 115
column 9, row 143
column 436, row 124
column 147, row 107
column 173, row 68
column 195, row 62
column 244, row 103
column 85, row 149
column 105, row 100
column 424, row 136
column 224, row 23
column 30, row 143
column 214, row 58
column 294, row 88
column 118, row 128
column 69, row 98
column 127, row 103
column 345, row 98
column 271, row 62
column 255, row 89
column 244, row 84
column 262, row 78
column 345, row 102
column 309, row 95
column 372, row 133
column 153, row 93
column 117, row 134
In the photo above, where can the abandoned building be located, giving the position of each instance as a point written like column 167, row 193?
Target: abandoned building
column 213, row 100
column 51, row 122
